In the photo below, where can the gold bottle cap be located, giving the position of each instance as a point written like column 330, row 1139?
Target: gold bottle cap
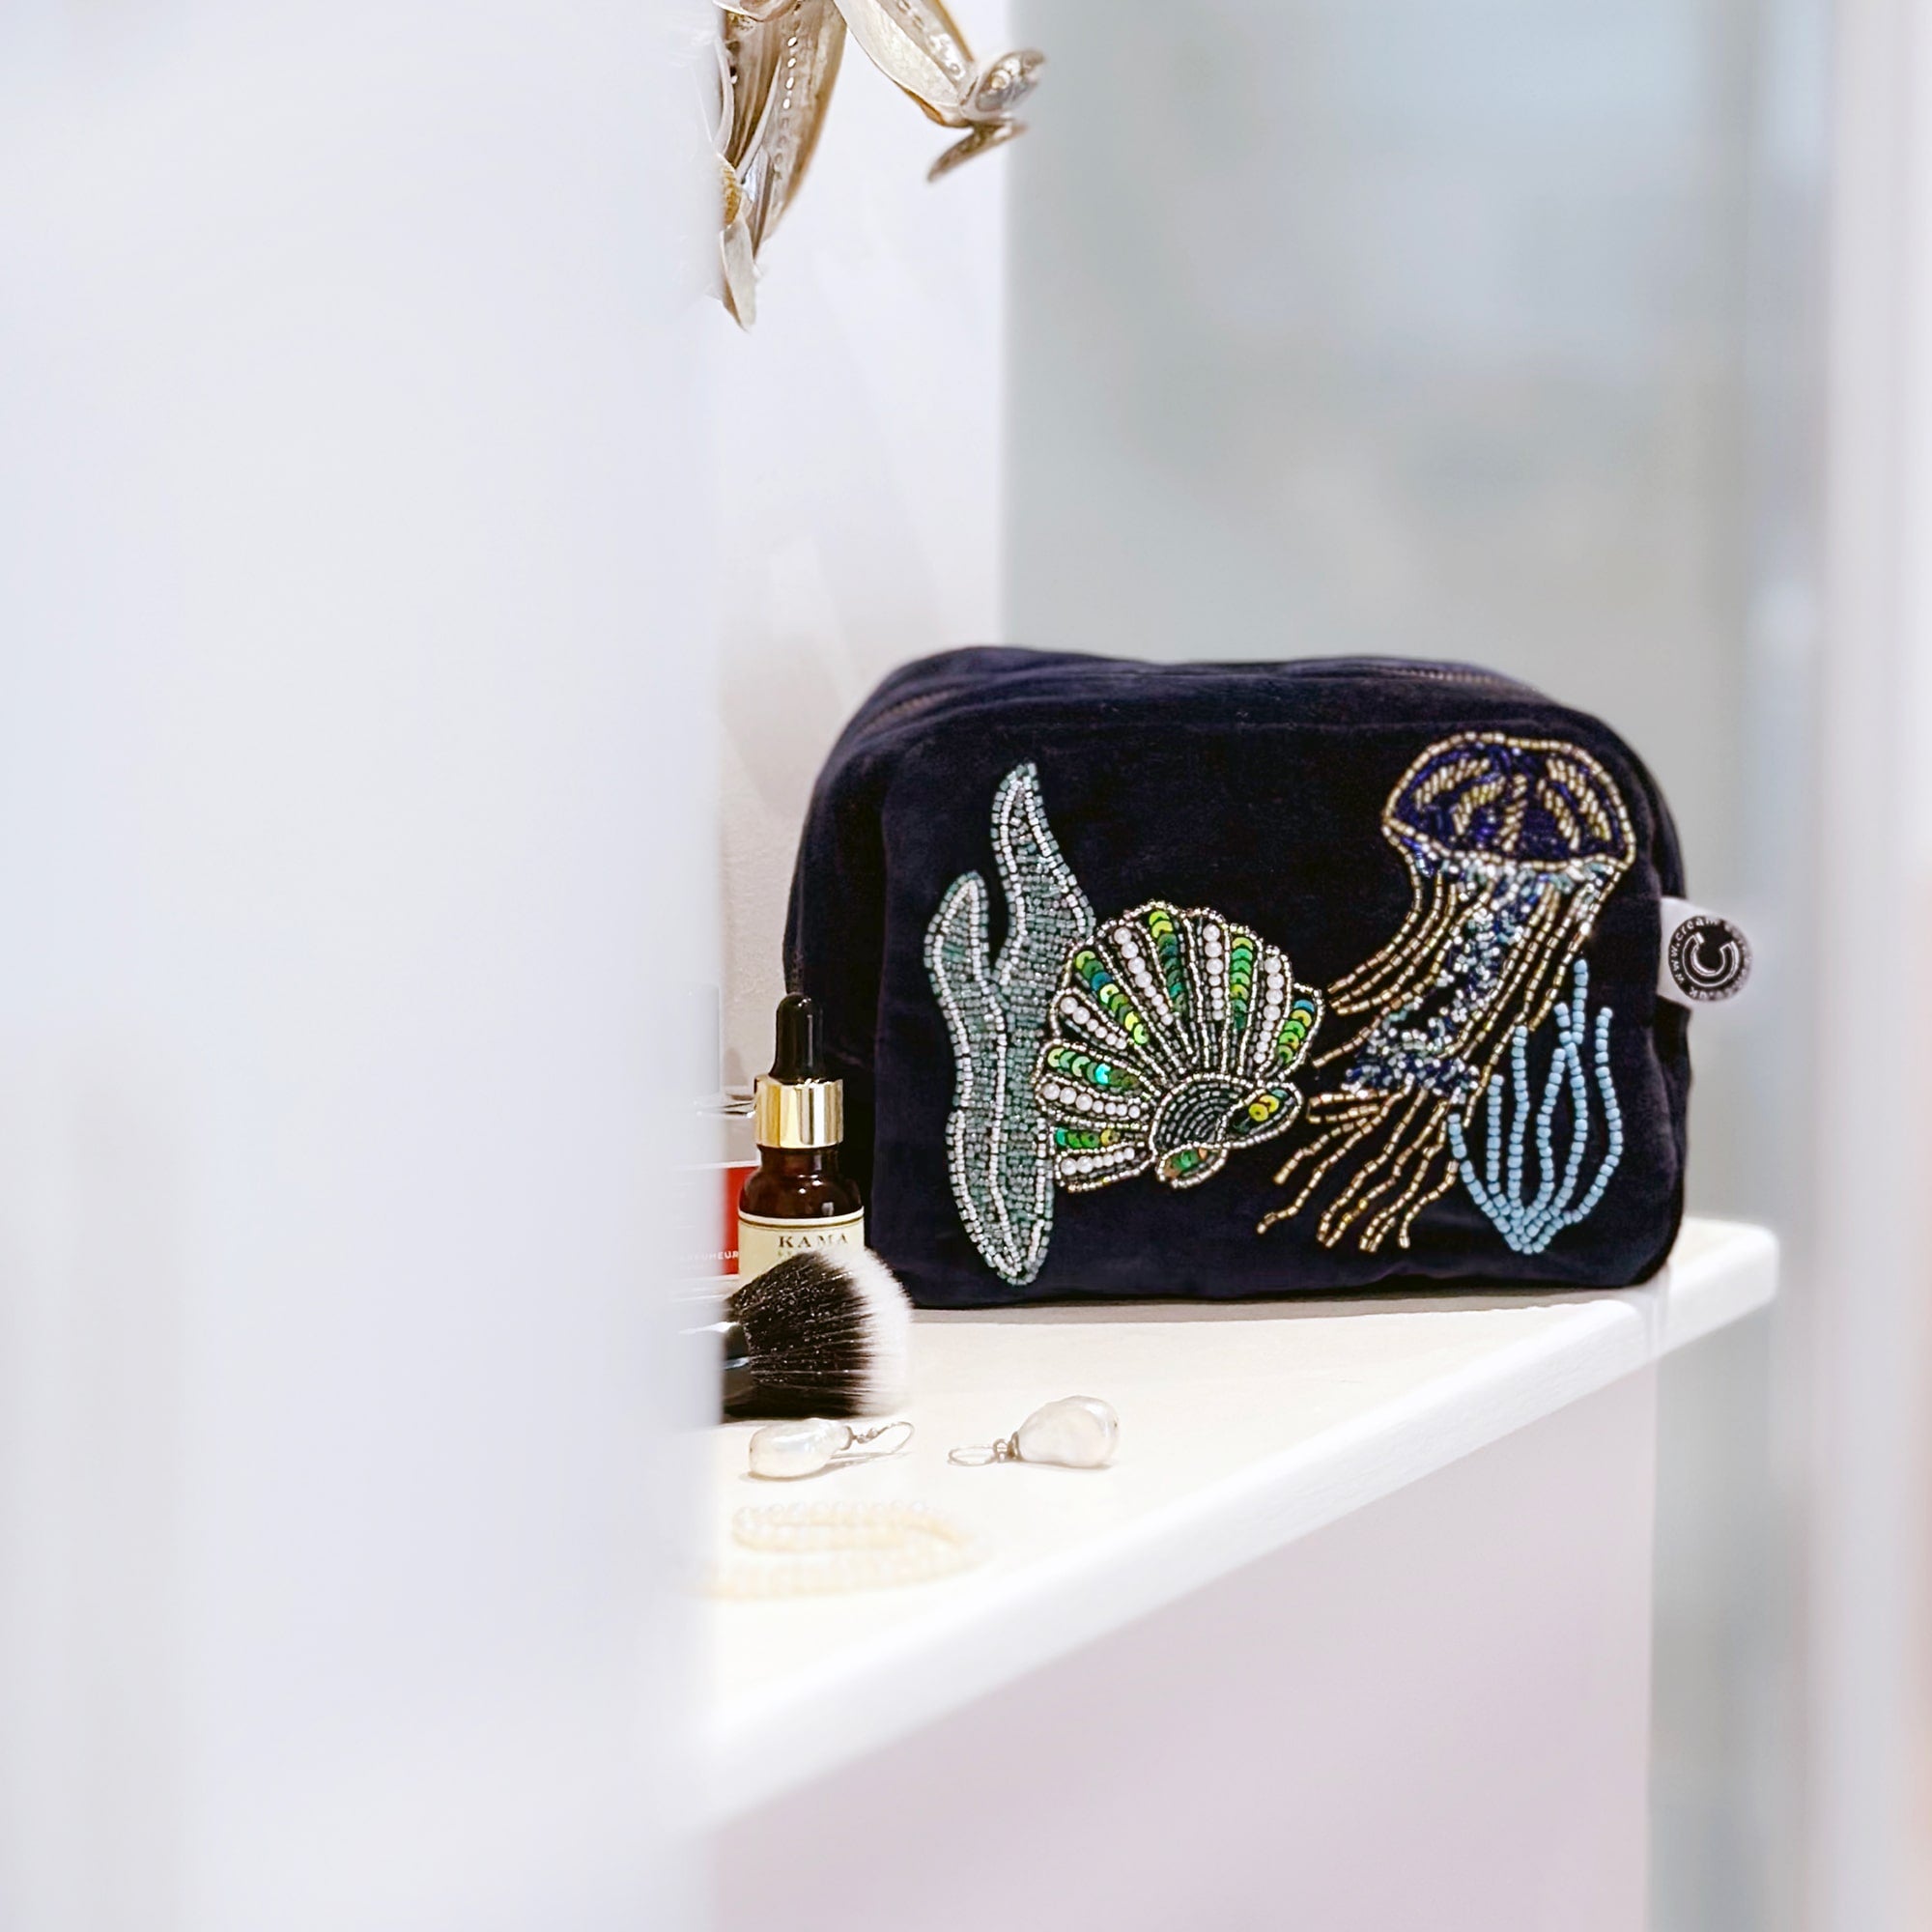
column 799, row 1113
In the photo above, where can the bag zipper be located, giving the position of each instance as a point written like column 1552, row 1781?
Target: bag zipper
column 1468, row 677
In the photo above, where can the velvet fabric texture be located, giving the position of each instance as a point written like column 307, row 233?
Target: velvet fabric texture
column 1259, row 791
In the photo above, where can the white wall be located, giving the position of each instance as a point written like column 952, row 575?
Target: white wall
column 1868, row 1347
column 353, row 644
column 859, row 453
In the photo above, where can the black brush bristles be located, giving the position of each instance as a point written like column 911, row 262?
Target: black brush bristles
column 825, row 1333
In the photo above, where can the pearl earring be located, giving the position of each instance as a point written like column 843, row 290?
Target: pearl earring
column 1078, row 1432
column 784, row 1451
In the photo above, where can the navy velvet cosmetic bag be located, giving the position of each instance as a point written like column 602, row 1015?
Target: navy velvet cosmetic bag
column 1227, row 981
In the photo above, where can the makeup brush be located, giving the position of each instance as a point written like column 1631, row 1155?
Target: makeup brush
column 827, row 1332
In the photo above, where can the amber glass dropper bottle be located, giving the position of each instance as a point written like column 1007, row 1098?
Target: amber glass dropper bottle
column 800, row 1197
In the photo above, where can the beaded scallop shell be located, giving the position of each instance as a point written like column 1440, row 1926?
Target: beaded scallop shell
column 1169, row 1041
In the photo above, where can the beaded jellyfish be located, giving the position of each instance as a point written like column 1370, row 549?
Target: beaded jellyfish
column 1512, row 846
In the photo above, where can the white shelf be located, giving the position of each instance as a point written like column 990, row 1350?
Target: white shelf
column 1243, row 1427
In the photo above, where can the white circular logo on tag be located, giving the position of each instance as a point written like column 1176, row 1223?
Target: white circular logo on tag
column 1710, row 959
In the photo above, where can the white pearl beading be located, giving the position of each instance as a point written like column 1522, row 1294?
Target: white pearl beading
column 831, row 1548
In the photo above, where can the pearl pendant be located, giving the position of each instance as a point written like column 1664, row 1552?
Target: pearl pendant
column 784, row 1451
column 1078, row 1432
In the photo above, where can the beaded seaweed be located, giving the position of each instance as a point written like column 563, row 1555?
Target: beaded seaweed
column 999, row 1144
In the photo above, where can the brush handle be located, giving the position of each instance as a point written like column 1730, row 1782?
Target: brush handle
column 741, row 1387
column 738, row 1386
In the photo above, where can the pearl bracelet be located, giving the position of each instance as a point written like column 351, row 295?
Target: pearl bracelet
column 846, row 1546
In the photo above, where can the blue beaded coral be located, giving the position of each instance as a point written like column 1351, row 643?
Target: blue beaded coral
column 1529, row 1223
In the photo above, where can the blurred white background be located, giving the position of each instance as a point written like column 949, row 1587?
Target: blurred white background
column 356, row 831
column 1574, row 339
column 859, row 429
